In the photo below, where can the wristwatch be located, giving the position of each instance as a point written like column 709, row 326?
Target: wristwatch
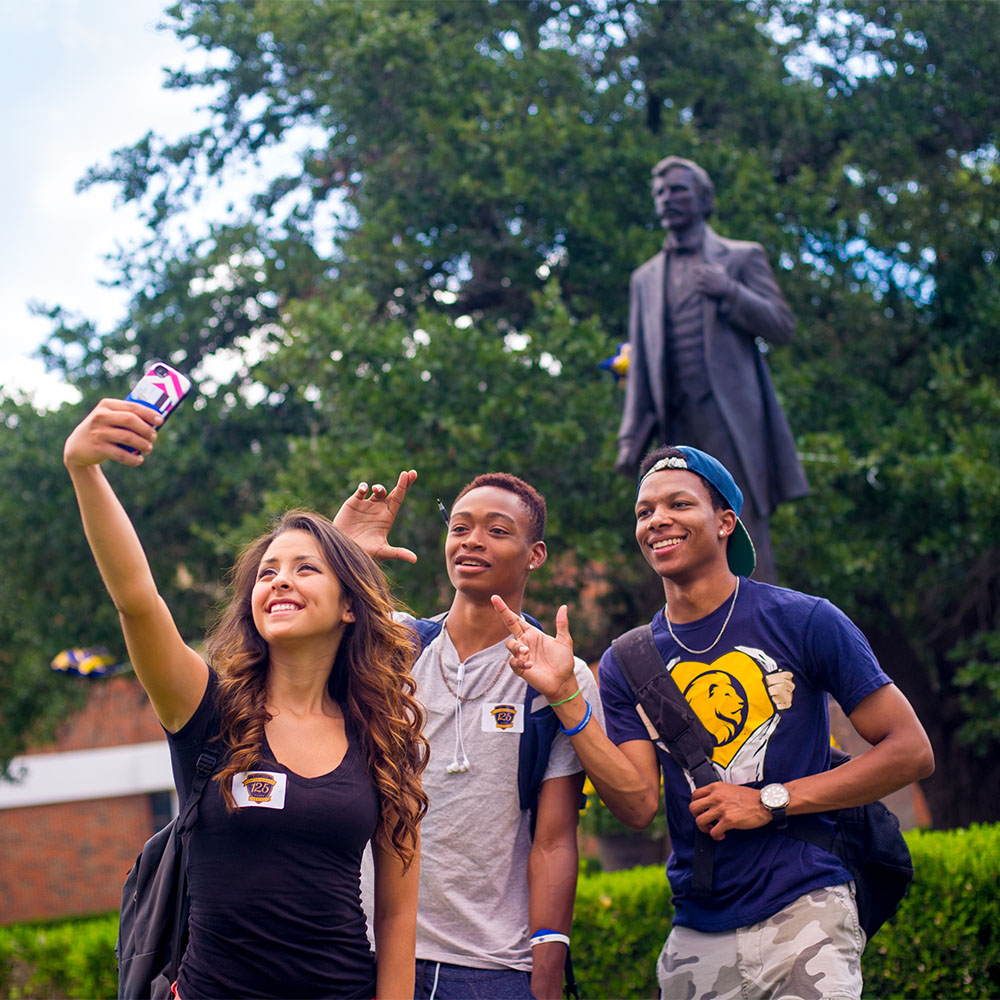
column 775, row 799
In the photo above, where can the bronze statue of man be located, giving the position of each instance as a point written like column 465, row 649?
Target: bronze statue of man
column 699, row 312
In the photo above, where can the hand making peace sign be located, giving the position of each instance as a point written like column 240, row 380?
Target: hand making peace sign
column 544, row 661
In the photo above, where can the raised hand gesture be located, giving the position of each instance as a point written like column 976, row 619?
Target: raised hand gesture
column 544, row 661
column 368, row 519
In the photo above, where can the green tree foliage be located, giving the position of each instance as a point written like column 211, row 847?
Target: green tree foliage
column 210, row 469
column 37, row 613
column 435, row 283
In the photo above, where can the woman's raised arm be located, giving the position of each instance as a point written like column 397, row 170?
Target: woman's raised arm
column 172, row 673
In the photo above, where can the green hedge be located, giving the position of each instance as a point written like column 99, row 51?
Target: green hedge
column 943, row 944
column 75, row 958
column 945, row 939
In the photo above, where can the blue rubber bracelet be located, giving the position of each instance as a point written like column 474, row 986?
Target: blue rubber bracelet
column 551, row 936
column 579, row 728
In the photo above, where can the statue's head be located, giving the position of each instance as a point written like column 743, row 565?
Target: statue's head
column 691, row 174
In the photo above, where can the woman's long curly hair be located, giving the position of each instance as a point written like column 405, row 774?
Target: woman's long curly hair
column 369, row 678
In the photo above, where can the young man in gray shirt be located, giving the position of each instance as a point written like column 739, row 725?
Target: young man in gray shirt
column 496, row 904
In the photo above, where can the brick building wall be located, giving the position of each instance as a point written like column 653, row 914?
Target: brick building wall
column 116, row 712
column 69, row 859
column 71, row 830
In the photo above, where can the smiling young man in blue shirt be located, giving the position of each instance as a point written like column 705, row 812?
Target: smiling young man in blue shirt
column 756, row 663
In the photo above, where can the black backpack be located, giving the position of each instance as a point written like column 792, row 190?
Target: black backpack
column 152, row 924
column 866, row 839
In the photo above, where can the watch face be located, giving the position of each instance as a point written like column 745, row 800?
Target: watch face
column 774, row 796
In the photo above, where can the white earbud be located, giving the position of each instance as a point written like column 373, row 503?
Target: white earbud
column 456, row 766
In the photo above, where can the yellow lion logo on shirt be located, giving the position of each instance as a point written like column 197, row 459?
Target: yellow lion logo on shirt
column 738, row 698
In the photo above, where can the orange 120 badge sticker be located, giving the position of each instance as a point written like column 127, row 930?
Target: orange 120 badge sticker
column 259, row 789
column 503, row 717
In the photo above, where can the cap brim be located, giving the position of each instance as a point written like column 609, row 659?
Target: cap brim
column 740, row 551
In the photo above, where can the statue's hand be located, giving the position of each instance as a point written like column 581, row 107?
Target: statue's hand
column 367, row 520
column 710, row 279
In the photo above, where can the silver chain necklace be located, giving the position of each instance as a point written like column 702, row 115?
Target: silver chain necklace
column 698, row 652
column 474, row 697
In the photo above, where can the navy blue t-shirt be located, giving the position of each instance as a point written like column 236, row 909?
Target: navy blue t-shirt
column 762, row 693
column 275, row 888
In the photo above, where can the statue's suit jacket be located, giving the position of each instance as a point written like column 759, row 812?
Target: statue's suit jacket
column 737, row 372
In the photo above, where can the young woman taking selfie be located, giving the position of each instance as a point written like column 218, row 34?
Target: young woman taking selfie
column 308, row 704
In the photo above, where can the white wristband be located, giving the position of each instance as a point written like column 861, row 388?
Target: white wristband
column 546, row 938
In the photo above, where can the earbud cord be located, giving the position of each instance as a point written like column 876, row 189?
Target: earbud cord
column 455, row 767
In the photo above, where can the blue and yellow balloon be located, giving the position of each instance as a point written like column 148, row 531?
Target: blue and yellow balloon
column 617, row 364
column 92, row 661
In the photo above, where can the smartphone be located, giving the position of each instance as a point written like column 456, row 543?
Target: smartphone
column 161, row 388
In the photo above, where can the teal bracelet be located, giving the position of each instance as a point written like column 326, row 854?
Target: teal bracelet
column 579, row 728
column 552, row 704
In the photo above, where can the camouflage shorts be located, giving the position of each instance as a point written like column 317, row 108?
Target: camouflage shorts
column 810, row 950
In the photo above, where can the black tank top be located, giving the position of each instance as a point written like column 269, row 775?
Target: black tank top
column 275, row 888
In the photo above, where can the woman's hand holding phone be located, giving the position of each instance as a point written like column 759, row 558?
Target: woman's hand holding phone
column 118, row 429
column 125, row 429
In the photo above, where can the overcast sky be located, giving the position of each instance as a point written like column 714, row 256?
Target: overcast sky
column 78, row 79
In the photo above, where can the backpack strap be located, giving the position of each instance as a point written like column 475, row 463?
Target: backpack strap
column 807, row 827
column 672, row 725
column 427, row 630
column 534, row 749
column 570, row 987
column 535, row 746
column 203, row 770
column 664, row 710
